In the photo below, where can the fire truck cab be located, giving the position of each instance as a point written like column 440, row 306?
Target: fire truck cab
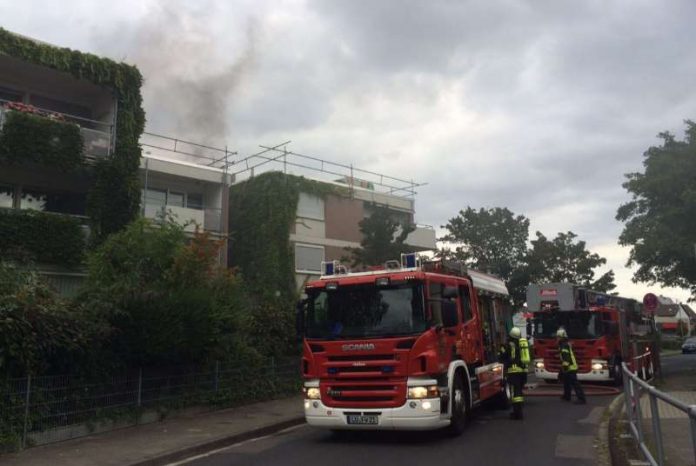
column 409, row 346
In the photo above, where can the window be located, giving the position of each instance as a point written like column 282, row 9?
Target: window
column 155, row 197
column 194, row 201
column 465, row 297
column 175, row 199
column 6, row 196
column 309, row 206
column 308, row 258
column 63, row 202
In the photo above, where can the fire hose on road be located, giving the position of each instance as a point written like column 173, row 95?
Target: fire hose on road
column 537, row 389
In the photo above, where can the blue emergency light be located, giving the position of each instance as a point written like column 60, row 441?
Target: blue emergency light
column 329, row 268
column 409, row 261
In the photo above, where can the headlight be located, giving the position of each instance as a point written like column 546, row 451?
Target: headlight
column 598, row 365
column 430, row 391
column 312, row 393
column 539, row 364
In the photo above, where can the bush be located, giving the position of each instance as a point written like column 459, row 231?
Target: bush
column 38, row 333
column 166, row 298
column 38, row 139
column 41, row 237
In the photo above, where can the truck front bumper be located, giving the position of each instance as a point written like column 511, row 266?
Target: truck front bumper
column 413, row 415
column 592, row 376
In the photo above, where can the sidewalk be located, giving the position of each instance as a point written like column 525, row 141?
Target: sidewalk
column 167, row 441
column 676, row 432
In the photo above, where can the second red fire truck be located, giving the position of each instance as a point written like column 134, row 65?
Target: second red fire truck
column 410, row 346
column 604, row 331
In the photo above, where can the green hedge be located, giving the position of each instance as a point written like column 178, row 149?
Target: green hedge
column 41, row 237
column 33, row 138
column 114, row 199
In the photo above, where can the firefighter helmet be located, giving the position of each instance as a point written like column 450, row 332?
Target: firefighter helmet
column 561, row 333
column 515, row 332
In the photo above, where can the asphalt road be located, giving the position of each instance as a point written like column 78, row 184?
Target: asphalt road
column 678, row 364
column 552, row 433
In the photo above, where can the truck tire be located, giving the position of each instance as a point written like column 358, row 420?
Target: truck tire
column 502, row 400
column 461, row 412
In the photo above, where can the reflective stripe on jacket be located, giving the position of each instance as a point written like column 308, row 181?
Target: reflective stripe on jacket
column 568, row 362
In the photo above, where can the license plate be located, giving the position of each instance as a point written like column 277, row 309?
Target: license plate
column 362, row 420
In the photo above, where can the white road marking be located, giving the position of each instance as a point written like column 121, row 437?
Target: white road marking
column 236, row 445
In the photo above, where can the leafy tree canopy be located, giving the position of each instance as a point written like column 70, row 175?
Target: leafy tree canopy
column 384, row 238
column 660, row 219
column 563, row 259
column 491, row 240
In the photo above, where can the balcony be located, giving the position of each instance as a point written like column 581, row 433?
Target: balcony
column 96, row 135
column 422, row 238
column 208, row 219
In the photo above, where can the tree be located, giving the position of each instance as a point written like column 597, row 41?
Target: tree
column 166, row 298
column 491, row 240
column 660, row 219
column 384, row 238
column 565, row 260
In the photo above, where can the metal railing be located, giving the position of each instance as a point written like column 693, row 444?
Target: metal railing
column 634, row 389
column 39, row 410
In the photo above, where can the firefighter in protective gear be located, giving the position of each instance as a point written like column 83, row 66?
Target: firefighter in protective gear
column 515, row 357
column 569, row 368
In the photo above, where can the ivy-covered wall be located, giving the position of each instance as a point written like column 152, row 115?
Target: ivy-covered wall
column 31, row 138
column 263, row 210
column 41, row 237
column 115, row 197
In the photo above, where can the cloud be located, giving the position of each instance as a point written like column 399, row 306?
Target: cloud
column 540, row 106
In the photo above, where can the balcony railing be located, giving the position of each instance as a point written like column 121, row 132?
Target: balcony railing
column 97, row 135
column 209, row 218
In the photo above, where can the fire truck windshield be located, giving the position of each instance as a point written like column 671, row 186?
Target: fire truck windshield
column 360, row 311
column 578, row 325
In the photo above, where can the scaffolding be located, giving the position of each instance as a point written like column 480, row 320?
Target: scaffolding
column 278, row 158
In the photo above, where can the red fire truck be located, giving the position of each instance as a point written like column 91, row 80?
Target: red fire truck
column 604, row 330
column 410, row 346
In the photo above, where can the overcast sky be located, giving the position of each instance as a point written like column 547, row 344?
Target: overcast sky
column 537, row 106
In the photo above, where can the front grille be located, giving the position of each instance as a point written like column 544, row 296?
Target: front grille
column 363, row 398
column 363, row 394
column 364, row 357
column 356, row 369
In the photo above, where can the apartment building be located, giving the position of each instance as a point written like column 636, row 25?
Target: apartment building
column 53, row 126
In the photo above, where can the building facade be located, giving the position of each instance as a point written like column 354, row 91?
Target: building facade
column 55, row 123
column 190, row 193
column 326, row 226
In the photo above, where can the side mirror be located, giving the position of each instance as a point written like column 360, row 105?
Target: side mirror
column 300, row 309
column 449, row 314
column 450, row 292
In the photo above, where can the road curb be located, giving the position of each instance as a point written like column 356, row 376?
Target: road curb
column 603, row 440
column 187, row 452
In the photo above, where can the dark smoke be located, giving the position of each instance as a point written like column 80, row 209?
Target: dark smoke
column 189, row 86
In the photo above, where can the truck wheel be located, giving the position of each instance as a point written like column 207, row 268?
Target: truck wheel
column 460, row 406
column 502, row 400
